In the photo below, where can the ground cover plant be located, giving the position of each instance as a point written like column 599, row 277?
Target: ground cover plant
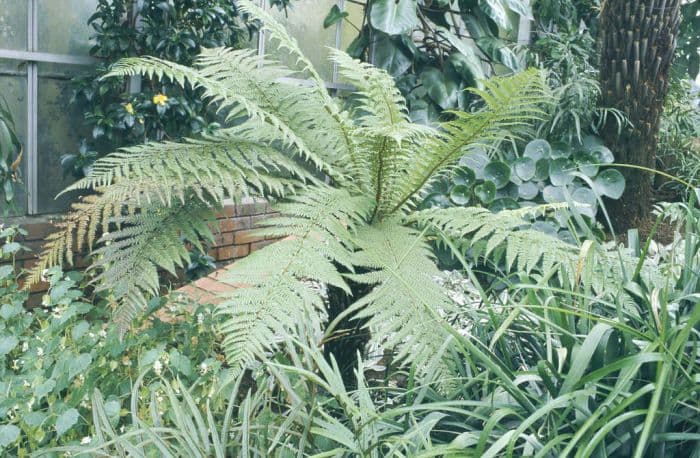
column 348, row 339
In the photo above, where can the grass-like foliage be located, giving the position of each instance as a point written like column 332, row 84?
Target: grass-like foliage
column 281, row 141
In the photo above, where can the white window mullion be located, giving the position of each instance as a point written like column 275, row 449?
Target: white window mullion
column 32, row 110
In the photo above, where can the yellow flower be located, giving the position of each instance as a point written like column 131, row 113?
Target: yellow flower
column 160, row 99
column 129, row 108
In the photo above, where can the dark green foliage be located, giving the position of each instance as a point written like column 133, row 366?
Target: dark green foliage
column 10, row 159
column 540, row 173
column 432, row 59
column 55, row 355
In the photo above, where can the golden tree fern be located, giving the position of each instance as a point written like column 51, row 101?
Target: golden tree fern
column 345, row 181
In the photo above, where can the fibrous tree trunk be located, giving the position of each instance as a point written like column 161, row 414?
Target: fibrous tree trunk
column 638, row 40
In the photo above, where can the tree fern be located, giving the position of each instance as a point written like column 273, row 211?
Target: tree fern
column 343, row 180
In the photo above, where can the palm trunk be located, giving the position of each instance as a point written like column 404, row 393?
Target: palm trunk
column 638, row 41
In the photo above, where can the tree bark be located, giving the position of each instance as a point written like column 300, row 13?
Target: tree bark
column 638, row 40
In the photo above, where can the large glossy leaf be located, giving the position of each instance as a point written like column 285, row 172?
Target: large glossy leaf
column 528, row 190
column 441, row 90
column 586, row 197
column 587, row 163
column 470, row 61
column 505, row 203
column 390, row 56
column 553, row 194
column 496, row 10
column 464, row 176
column 498, row 172
column 497, row 50
column 609, row 183
column 394, row 17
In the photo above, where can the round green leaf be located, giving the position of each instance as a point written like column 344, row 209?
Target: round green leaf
column 560, row 149
column 587, row 163
column 510, row 190
column 553, row 194
column 459, row 194
column 541, row 170
column 586, row 197
column 486, row 192
column 505, row 203
column 602, row 154
column 560, row 171
column 525, row 168
column 477, row 160
column 528, row 190
column 498, row 172
column 538, row 149
column 464, row 176
column 591, row 142
column 609, row 183
column 394, row 17
column 435, row 200
column 545, row 226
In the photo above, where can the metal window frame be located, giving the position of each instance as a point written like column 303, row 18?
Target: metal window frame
column 33, row 57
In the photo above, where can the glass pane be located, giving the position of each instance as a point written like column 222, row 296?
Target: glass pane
column 13, row 24
column 304, row 21
column 63, row 26
column 13, row 88
column 348, row 32
column 60, row 129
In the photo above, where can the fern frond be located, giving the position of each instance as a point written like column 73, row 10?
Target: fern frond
column 316, row 223
column 226, row 94
column 510, row 106
column 407, row 307
column 132, row 255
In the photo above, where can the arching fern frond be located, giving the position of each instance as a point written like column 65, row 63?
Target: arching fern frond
column 510, row 106
column 316, row 223
column 132, row 255
column 406, row 307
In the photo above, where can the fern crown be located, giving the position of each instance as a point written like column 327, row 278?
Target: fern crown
column 345, row 177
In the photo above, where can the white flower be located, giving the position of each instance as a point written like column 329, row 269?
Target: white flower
column 203, row 368
column 103, row 333
column 39, row 351
column 157, row 367
column 25, row 346
column 85, row 440
column 200, row 318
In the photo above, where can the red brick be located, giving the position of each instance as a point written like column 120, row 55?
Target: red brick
column 232, row 252
column 38, row 231
column 256, row 207
column 261, row 244
column 223, row 239
column 213, row 286
column 234, row 224
column 248, row 236
column 227, row 212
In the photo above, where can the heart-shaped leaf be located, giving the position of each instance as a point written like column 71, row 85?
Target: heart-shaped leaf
column 498, row 172
column 65, row 421
column 538, row 149
column 609, row 183
column 333, row 16
column 561, row 171
column 525, row 168
column 390, row 56
column 486, row 192
column 459, row 194
column 394, row 17
column 441, row 90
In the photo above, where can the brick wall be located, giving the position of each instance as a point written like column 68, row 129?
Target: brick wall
column 233, row 237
